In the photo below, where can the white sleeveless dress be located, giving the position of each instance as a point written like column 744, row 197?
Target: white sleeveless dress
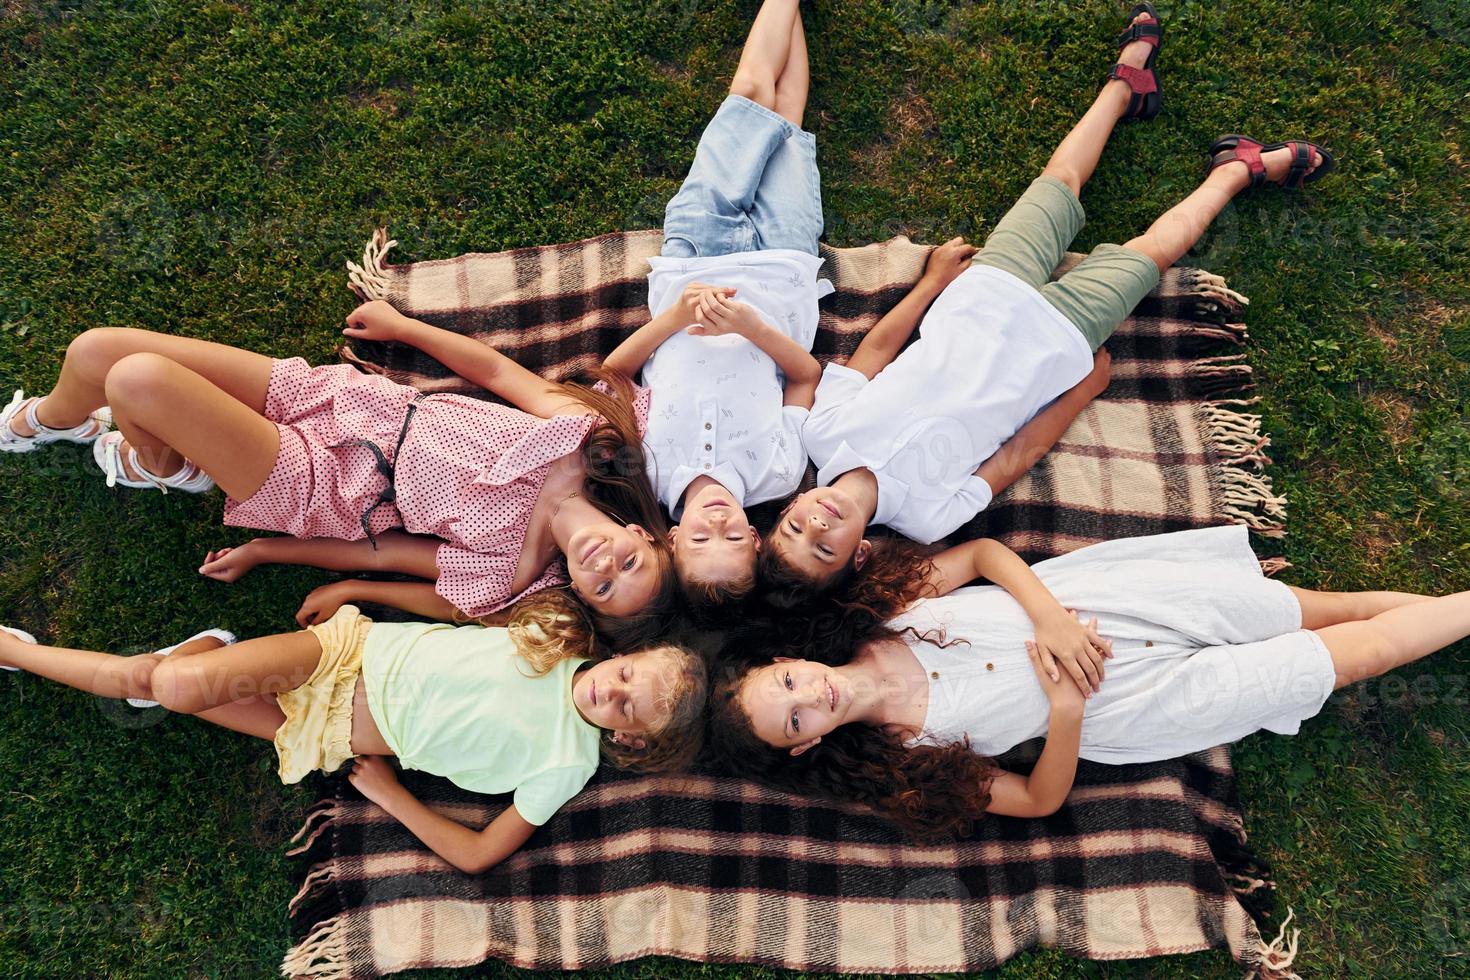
column 1206, row 651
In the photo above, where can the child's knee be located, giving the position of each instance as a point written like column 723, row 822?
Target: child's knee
column 137, row 378
column 94, row 352
column 758, row 89
column 171, row 687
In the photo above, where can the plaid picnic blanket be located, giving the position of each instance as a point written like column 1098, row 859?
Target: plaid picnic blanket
column 1143, row 860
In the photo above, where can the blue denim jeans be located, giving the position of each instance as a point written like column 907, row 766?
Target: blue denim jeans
column 753, row 185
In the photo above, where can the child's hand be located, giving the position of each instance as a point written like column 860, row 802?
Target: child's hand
column 949, row 260
column 375, row 320
column 1063, row 693
column 1065, row 647
column 321, row 604
column 1101, row 374
column 229, row 564
column 720, row 315
column 373, row 776
column 697, row 291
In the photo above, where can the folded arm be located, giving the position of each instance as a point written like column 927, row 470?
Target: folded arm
column 630, row 356
column 1044, row 791
column 882, row 344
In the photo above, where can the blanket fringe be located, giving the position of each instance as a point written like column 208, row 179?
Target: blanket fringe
column 318, row 877
column 321, row 815
column 1274, row 566
column 1278, row 956
column 1201, row 283
column 371, row 280
column 322, row 955
column 1248, row 500
column 1237, row 435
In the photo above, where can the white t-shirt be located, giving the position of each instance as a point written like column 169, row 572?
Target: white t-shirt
column 717, row 401
column 991, row 354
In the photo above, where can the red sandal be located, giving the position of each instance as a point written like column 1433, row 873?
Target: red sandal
column 1228, row 149
column 1146, row 100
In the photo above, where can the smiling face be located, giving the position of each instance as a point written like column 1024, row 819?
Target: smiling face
column 613, row 567
column 820, row 533
column 632, row 694
column 714, row 542
column 793, row 703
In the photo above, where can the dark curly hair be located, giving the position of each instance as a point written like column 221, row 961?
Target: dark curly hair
column 930, row 792
column 827, row 623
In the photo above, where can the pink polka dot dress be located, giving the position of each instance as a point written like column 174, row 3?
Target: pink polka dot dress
column 469, row 472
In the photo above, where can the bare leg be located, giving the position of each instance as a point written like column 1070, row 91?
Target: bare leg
column 165, row 409
column 259, row 716
column 1320, row 609
column 795, row 79
column 767, row 47
column 80, row 390
column 1177, row 229
column 1076, row 156
column 190, row 684
column 1399, row 636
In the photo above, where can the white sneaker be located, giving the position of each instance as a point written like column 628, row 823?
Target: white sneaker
column 107, row 451
column 224, row 636
column 22, row 635
column 86, row 431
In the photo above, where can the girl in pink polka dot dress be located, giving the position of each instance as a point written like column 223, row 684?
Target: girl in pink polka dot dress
column 488, row 502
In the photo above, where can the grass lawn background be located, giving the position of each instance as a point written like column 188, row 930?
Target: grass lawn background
column 205, row 169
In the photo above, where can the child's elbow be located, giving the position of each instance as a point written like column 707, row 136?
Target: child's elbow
column 475, row 864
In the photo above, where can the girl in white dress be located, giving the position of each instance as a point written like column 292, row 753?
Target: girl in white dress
column 1201, row 650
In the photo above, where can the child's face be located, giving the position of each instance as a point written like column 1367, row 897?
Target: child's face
column 631, row 694
column 613, row 567
column 819, row 533
column 714, row 541
column 791, row 704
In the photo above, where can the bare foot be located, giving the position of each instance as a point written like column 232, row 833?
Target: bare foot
column 1276, row 162
column 1136, row 53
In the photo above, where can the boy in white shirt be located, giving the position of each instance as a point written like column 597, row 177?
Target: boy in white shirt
column 922, row 440
column 729, row 365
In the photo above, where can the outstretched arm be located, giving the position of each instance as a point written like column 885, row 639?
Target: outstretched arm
column 1035, row 439
column 630, row 356
column 466, row 357
column 471, row 851
column 418, row 598
column 397, row 551
column 886, row 339
column 1063, row 642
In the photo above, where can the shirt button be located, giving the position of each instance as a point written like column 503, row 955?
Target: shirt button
column 1148, row 643
column 708, row 447
column 706, row 466
column 934, row 675
column 990, row 666
column 707, row 426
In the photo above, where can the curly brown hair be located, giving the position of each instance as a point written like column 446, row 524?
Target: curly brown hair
column 830, row 621
column 930, row 792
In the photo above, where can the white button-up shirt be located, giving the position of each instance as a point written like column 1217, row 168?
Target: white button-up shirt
column 717, row 407
column 991, row 354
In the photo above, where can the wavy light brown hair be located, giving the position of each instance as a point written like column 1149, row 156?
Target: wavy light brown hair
column 823, row 622
column 930, row 792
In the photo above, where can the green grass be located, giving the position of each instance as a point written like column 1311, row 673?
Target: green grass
column 205, row 170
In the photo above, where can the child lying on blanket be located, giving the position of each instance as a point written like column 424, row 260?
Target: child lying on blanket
column 1201, row 650
column 1005, row 360
column 728, row 365
column 484, row 501
column 493, row 710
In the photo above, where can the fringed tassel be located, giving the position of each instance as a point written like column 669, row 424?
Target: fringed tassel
column 1198, row 282
column 366, row 367
column 321, row 816
column 319, row 876
column 322, row 955
column 1236, row 435
column 1274, row 566
column 1248, row 500
column 372, row 279
column 1278, row 956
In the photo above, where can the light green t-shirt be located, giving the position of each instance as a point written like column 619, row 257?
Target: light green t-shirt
column 461, row 702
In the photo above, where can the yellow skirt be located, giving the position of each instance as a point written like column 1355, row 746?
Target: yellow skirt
column 317, row 732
